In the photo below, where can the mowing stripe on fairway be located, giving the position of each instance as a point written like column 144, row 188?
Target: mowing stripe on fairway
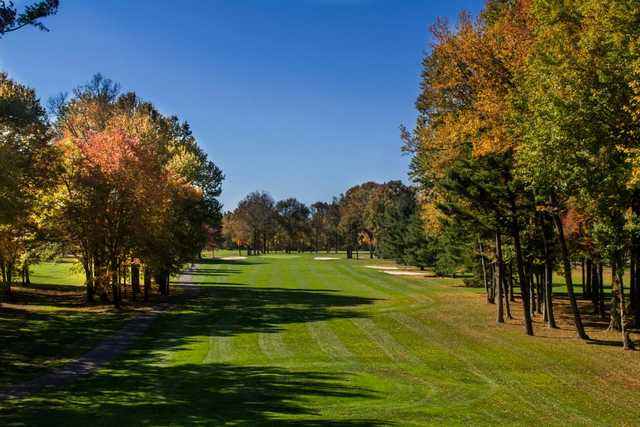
column 221, row 340
column 273, row 346
column 464, row 352
column 368, row 282
column 328, row 341
column 389, row 346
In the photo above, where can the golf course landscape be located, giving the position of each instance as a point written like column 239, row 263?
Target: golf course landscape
column 291, row 340
column 319, row 213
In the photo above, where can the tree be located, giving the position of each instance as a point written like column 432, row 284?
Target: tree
column 28, row 165
column 135, row 187
column 320, row 225
column 12, row 20
column 353, row 207
column 401, row 234
column 293, row 217
column 468, row 81
column 257, row 210
column 235, row 229
column 577, row 110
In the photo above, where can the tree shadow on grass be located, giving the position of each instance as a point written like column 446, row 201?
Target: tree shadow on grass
column 135, row 392
column 232, row 310
column 140, row 390
column 32, row 342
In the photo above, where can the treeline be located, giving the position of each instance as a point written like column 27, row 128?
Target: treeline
column 527, row 145
column 384, row 220
column 107, row 178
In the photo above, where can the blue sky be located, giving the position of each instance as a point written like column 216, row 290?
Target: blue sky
column 299, row 98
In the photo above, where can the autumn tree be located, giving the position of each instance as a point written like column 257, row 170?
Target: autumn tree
column 135, row 187
column 468, row 81
column 28, row 165
column 353, row 222
column 236, row 230
column 577, row 124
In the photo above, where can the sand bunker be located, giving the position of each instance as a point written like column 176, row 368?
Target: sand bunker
column 325, row 258
column 233, row 258
column 381, row 267
column 404, row 273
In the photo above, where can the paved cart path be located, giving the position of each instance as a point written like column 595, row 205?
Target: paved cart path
column 107, row 350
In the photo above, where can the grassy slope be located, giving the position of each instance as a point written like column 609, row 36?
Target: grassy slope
column 293, row 341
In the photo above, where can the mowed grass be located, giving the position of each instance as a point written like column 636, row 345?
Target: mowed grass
column 64, row 271
column 290, row 341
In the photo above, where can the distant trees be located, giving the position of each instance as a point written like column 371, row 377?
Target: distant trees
column 384, row 218
column 293, row 218
column 401, row 234
column 356, row 224
column 257, row 211
column 320, row 225
column 236, row 230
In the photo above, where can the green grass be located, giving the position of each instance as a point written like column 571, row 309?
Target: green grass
column 65, row 271
column 294, row 342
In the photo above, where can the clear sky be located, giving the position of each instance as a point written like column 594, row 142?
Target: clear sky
column 300, row 98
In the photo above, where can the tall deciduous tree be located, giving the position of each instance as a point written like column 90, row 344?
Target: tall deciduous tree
column 27, row 166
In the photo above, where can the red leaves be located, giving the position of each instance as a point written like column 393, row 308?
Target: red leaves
column 111, row 151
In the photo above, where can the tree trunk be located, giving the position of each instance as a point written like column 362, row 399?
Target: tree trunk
column 499, row 280
column 135, row 280
column 512, row 296
column 8, row 278
column 588, row 278
column 601, row 290
column 507, row 304
column 548, row 274
column 89, row 278
column 626, row 341
column 532, row 288
column 164, row 278
column 4, row 272
column 539, row 282
column 484, row 273
column 27, row 276
column 114, row 289
column 524, row 286
column 147, row 283
column 634, row 284
column 566, row 263
column 582, row 270
column 618, row 320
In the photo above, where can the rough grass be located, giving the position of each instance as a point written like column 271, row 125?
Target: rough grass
column 293, row 341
